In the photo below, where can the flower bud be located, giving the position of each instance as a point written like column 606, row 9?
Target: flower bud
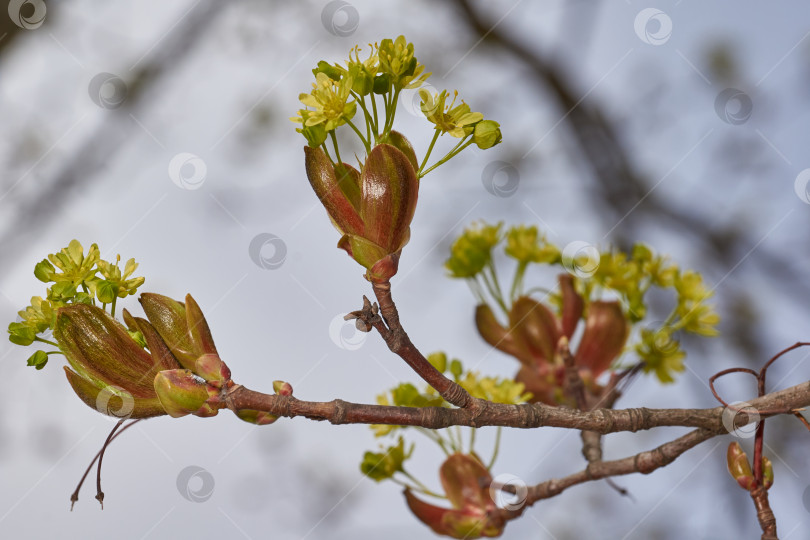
column 495, row 334
column 739, row 468
column 260, row 418
column 104, row 358
column 185, row 332
column 572, row 305
column 398, row 141
column 606, row 332
column 767, row 473
column 181, row 392
column 487, row 134
column 282, row 388
column 372, row 209
column 473, row 514
column 535, row 328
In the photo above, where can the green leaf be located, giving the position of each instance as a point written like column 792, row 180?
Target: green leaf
column 38, row 360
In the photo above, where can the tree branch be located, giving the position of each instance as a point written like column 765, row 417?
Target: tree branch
column 524, row 416
column 643, row 462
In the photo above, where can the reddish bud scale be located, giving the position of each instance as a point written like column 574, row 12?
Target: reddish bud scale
column 373, row 209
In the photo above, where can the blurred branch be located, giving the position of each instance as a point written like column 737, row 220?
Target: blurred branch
column 626, row 195
column 34, row 214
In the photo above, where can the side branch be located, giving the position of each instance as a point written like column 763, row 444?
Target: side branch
column 400, row 344
column 644, row 463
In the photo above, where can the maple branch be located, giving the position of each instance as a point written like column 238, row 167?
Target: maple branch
column 523, row 416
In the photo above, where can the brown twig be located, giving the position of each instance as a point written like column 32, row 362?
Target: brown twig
column 759, row 494
column 400, row 344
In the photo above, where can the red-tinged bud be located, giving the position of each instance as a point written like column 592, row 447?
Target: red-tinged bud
column 398, row 140
column 260, row 418
column 282, row 388
column 605, row 335
column 181, row 392
column 340, row 194
column 535, row 329
column 474, row 514
column 496, row 335
column 373, row 210
column 767, row 473
column 572, row 305
column 108, row 370
column 739, row 467
column 185, row 332
column 543, row 381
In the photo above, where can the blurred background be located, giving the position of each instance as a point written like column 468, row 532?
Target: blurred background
column 160, row 131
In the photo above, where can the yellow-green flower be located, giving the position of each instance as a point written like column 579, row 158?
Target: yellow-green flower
column 472, row 250
column 75, row 266
column 526, row 245
column 362, row 72
column 115, row 284
column 456, row 121
column 329, row 99
column 397, row 60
